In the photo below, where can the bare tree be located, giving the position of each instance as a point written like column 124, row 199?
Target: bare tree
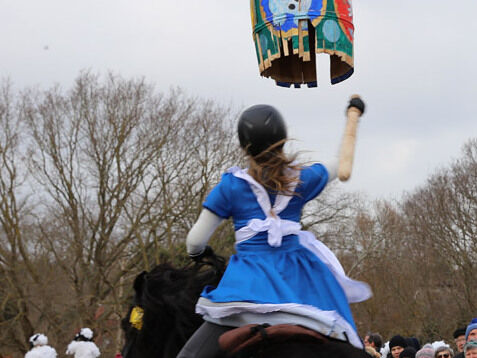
column 15, row 252
column 120, row 172
column 444, row 213
column 419, row 255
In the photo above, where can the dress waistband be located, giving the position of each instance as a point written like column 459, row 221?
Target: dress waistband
column 261, row 244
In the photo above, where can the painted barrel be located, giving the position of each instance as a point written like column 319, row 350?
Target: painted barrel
column 289, row 33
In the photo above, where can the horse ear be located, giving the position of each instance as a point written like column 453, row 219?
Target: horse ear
column 139, row 282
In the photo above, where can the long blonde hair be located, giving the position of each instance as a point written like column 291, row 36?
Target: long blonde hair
column 275, row 170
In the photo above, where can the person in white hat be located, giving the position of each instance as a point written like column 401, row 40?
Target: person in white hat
column 40, row 348
column 83, row 346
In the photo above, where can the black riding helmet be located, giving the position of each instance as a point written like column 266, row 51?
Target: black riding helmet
column 259, row 127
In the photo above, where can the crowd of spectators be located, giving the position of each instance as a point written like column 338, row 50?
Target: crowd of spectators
column 464, row 345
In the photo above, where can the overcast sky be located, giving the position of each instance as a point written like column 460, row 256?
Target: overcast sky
column 415, row 66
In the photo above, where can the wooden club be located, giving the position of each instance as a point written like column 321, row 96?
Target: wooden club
column 349, row 142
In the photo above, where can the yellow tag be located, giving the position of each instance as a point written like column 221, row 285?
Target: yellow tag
column 136, row 317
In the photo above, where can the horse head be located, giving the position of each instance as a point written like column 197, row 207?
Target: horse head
column 162, row 315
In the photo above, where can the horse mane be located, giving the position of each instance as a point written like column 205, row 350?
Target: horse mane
column 168, row 296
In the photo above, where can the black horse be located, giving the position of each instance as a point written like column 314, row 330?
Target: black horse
column 167, row 298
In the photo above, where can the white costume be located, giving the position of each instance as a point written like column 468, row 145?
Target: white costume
column 83, row 348
column 40, row 348
column 41, row 352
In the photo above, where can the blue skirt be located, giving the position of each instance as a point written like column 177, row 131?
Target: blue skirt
column 262, row 274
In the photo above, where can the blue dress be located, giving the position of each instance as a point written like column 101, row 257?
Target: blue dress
column 278, row 267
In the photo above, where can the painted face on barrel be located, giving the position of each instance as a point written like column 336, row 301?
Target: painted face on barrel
column 292, row 5
column 279, row 7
